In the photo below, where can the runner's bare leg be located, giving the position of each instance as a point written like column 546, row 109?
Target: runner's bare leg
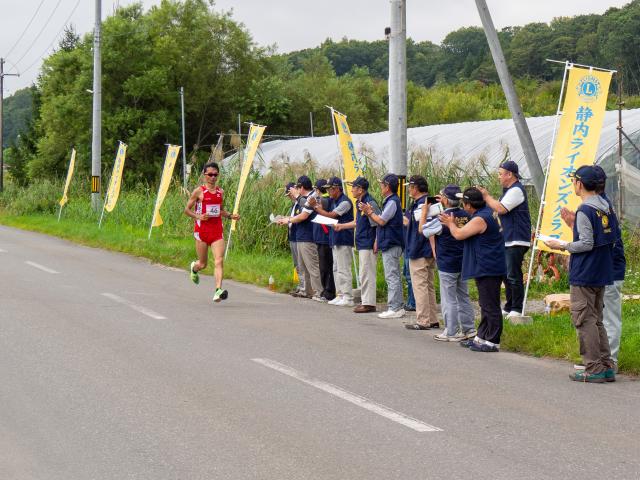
column 218, row 255
column 202, row 250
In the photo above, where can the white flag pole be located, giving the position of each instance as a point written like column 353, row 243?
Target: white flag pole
column 240, row 164
column 59, row 212
column 335, row 133
column 567, row 66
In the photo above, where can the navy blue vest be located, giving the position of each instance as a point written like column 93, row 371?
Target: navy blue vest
column 321, row 232
column 416, row 245
column 365, row 233
column 391, row 234
column 516, row 224
column 593, row 268
column 449, row 250
column 484, row 253
column 304, row 232
column 619, row 259
column 343, row 237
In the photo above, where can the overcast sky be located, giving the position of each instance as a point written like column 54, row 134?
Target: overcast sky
column 290, row 24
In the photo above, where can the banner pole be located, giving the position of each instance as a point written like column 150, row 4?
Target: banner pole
column 59, row 212
column 567, row 65
column 335, row 134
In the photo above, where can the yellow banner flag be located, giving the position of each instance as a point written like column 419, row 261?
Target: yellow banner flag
column 167, row 173
column 253, row 140
column 72, row 163
column 352, row 167
column 116, row 178
column 576, row 145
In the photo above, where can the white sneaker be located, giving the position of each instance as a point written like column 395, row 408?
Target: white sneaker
column 345, row 302
column 336, row 300
column 504, row 313
column 319, row 299
column 392, row 314
column 467, row 335
column 443, row 337
column 513, row 313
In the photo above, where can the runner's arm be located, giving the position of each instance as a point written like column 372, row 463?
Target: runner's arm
column 188, row 211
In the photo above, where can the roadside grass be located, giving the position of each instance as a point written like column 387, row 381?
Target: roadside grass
column 554, row 336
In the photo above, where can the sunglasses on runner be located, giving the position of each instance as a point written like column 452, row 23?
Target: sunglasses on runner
column 211, row 174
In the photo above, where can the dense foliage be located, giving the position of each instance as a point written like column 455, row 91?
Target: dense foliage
column 148, row 56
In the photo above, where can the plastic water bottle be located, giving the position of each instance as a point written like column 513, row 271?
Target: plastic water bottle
column 272, row 283
column 547, row 309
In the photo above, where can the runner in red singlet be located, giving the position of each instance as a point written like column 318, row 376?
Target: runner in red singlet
column 208, row 231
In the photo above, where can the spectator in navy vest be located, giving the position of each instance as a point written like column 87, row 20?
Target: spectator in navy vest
column 365, row 237
column 483, row 260
column 307, row 250
column 421, row 262
column 594, row 235
column 340, row 208
column 291, row 191
column 455, row 304
column 513, row 211
column 321, row 235
column 390, row 241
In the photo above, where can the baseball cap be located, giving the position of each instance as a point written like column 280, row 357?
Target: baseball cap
column 288, row 187
column 588, row 175
column 305, row 182
column 419, row 181
column 471, row 194
column 321, row 183
column 451, row 192
column 602, row 176
column 511, row 166
column 391, row 180
column 334, row 182
column 360, row 182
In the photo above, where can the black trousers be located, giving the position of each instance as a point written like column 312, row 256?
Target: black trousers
column 513, row 283
column 325, row 259
column 490, row 327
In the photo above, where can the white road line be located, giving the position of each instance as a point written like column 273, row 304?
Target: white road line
column 362, row 402
column 40, row 267
column 137, row 308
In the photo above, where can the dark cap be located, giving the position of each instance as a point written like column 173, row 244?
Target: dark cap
column 471, row 194
column 360, row 182
column 451, row 192
column 511, row 166
column 391, row 180
column 334, row 182
column 288, row 187
column 602, row 176
column 420, row 182
column 321, row 183
column 304, row 182
column 588, row 175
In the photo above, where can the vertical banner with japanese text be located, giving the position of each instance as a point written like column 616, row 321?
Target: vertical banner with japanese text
column 116, row 178
column 253, row 140
column 352, row 167
column 72, row 164
column 167, row 173
column 576, row 145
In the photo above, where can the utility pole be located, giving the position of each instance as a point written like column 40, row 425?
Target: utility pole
column 528, row 147
column 184, row 154
column 397, row 35
column 96, row 138
column 2, row 75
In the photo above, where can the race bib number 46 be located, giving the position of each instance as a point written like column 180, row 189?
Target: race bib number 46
column 213, row 210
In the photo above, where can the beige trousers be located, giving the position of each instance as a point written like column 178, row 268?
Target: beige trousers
column 423, row 282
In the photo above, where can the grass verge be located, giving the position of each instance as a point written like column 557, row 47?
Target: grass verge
column 548, row 336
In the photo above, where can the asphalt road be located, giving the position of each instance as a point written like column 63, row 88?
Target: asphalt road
column 114, row 368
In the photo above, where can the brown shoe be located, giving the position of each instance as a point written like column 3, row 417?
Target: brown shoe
column 364, row 309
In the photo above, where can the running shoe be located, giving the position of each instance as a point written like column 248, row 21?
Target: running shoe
column 195, row 278
column 220, row 295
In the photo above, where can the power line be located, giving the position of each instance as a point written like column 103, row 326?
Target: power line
column 57, row 36
column 25, row 29
column 40, row 32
